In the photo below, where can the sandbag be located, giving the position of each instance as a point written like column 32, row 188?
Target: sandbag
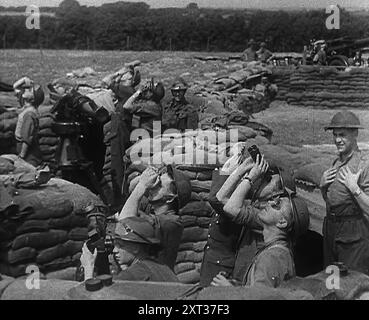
column 68, row 222
column 189, row 255
column 194, row 234
column 22, row 255
column 68, row 248
column 200, row 186
column 197, row 208
column 192, row 276
column 50, row 141
column 13, row 270
column 57, row 264
column 188, row 221
column 183, row 267
column 204, row 175
column 78, row 234
column 30, row 226
column 39, row 240
column 204, row 196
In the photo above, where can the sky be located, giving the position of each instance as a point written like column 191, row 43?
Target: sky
column 206, row 3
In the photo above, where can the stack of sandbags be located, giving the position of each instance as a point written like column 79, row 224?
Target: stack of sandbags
column 49, row 229
column 281, row 77
column 195, row 217
column 328, row 87
column 240, row 76
column 48, row 140
column 8, row 122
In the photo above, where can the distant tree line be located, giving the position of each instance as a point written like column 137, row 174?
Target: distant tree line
column 135, row 26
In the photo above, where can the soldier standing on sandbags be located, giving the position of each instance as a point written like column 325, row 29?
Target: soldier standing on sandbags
column 30, row 97
column 136, row 250
column 345, row 189
column 179, row 114
column 250, row 53
column 168, row 190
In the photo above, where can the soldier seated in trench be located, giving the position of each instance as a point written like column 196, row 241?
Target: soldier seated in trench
column 283, row 218
column 167, row 190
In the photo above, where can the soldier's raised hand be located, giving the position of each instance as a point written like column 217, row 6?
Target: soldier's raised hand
column 149, row 178
column 328, row 177
column 259, row 168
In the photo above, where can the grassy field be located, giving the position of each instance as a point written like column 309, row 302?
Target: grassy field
column 301, row 126
column 291, row 125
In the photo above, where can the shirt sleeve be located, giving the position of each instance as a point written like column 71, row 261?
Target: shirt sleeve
column 248, row 216
column 28, row 130
column 364, row 178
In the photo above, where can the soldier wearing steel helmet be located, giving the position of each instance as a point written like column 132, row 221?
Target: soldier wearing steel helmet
column 31, row 96
column 179, row 114
column 135, row 250
column 345, row 189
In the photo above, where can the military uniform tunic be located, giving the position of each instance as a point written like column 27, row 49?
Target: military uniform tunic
column 345, row 229
column 147, row 270
column 180, row 115
column 271, row 265
column 26, row 131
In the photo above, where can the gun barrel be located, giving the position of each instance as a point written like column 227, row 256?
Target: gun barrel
column 362, row 42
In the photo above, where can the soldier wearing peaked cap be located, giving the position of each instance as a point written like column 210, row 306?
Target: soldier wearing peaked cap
column 345, row 189
column 135, row 250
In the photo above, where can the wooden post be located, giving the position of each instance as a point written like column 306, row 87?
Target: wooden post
column 170, row 44
column 127, row 42
column 208, row 45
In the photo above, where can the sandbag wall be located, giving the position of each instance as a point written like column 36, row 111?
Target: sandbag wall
column 8, row 122
column 195, row 217
column 323, row 87
column 48, row 140
column 47, row 230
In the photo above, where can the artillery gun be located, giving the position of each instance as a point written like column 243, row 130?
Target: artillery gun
column 338, row 51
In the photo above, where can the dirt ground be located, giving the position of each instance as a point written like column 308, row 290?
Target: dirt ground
column 291, row 125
